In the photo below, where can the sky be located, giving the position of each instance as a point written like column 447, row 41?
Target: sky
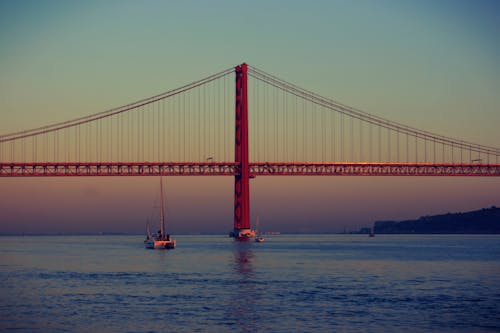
column 432, row 65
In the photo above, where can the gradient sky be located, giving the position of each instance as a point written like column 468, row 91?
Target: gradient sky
column 433, row 65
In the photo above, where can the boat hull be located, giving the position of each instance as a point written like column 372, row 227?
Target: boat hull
column 160, row 244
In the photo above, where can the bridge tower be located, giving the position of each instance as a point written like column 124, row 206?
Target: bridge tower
column 242, row 178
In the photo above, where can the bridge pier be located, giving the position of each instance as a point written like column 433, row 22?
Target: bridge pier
column 242, row 228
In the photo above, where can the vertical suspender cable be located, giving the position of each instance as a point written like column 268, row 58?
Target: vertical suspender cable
column 296, row 132
column 313, row 132
column 178, row 131
column 370, row 142
column 275, row 125
column 379, row 143
column 397, row 157
column 218, row 151
column 284, row 126
column 407, row 148
column 342, row 159
column 389, row 155
column 323, row 131
column 360, row 126
column 416, row 148
column 266, row 121
column 159, row 135
column 304, row 133
column 213, row 146
column 200, row 121
column 425, row 151
column 333, row 136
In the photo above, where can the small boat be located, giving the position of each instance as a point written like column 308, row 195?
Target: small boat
column 258, row 237
column 160, row 240
column 372, row 233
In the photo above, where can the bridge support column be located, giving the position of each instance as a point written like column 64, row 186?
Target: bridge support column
column 242, row 179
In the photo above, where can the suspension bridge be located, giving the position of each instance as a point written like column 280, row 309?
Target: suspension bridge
column 240, row 122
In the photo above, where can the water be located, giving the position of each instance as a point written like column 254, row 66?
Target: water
column 290, row 283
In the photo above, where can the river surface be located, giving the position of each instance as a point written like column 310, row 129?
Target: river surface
column 289, row 283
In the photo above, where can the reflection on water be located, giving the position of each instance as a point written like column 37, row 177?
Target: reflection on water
column 243, row 256
column 245, row 295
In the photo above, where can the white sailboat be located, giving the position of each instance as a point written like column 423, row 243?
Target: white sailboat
column 160, row 240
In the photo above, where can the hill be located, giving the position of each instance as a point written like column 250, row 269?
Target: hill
column 483, row 221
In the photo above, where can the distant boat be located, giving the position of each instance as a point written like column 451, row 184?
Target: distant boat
column 372, row 233
column 160, row 240
column 258, row 237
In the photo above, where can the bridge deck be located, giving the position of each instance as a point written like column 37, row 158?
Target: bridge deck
column 256, row 169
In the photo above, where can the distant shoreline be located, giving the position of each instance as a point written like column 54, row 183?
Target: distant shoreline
column 483, row 221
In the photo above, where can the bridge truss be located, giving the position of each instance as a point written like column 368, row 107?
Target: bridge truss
column 255, row 169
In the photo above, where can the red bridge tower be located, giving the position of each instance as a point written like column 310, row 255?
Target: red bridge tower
column 242, row 179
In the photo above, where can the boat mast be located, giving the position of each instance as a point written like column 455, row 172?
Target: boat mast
column 162, row 215
column 148, row 230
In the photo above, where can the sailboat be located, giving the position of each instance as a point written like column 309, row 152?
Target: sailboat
column 258, row 237
column 160, row 240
